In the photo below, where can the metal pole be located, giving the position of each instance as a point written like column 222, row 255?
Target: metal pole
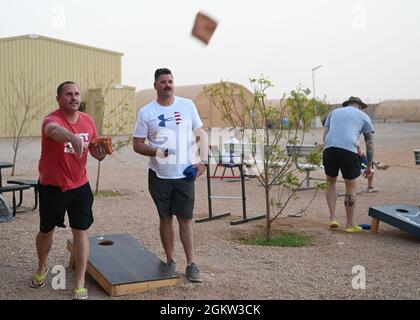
column 209, row 197
column 241, row 168
column 313, row 82
column 313, row 79
column 317, row 118
column 209, row 190
column 243, row 191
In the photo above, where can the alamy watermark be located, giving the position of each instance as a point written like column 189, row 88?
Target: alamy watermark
column 58, row 20
column 359, row 280
column 58, row 281
column 234, row 145
column 359, row 21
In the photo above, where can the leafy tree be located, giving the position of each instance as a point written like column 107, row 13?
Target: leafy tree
column 276, row 170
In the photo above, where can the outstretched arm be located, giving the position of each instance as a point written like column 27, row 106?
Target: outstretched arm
column 59, row 133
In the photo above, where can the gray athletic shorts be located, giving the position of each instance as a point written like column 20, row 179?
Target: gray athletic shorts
column 172, row 196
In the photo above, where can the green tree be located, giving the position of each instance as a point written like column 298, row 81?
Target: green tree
column 276, row 170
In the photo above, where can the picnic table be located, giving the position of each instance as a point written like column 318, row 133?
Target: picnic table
column 4, row 165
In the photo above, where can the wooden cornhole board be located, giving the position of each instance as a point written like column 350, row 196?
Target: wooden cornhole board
column 122, row 266
column 402, row 216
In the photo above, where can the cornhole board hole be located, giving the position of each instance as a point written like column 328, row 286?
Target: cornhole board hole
column 402, row 216
column 122, row 266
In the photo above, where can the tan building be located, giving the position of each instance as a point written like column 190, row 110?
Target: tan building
column 32, row 66
column 280, row 105
column 209, row 113
column 401, row 110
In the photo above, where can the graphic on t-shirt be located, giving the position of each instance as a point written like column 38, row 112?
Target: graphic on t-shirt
column 68, row 147
column 178, row 117
column 162, row 119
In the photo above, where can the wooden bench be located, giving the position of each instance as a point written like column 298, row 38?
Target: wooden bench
column 302, row 152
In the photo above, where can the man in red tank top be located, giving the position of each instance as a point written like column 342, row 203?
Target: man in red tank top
column 63, row 183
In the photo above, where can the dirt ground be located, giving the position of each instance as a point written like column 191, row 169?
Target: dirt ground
column 232, row 270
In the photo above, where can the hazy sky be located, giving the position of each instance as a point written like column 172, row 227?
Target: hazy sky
column 367, row 48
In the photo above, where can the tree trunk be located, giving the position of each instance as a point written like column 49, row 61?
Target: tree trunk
column 15, row 149
column 17, row 138
column 268, row 212
column 97, row 178
column 267, row 180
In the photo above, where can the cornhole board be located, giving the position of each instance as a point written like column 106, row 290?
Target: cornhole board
column 402, row 216
column 122, row 266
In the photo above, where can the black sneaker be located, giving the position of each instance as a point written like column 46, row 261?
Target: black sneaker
column 193, row 273
column 171, row 264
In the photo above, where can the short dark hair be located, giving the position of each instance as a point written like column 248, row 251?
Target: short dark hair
column 60, row 87
column 161, row 71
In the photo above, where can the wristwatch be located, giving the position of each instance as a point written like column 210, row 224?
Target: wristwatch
column 204, row 162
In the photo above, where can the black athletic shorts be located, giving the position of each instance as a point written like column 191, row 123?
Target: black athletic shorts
column 172, row 196
column 347, row 162
column 53, row 204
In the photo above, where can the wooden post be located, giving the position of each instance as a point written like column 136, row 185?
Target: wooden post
column 375, row 226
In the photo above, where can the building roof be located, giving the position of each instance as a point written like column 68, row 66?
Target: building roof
column 36, row 36
column 409, row 110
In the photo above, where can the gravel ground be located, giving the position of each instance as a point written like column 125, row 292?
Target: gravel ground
column 232, row 270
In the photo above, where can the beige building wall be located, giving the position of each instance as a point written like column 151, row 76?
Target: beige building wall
column 209, row 113
column 113, row 111
column 44, row 63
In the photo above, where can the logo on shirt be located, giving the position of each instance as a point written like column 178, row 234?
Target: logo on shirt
column 162, row 119
column 176, row 117
column 68, row 147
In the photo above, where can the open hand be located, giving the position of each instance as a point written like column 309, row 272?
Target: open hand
column 79, row 145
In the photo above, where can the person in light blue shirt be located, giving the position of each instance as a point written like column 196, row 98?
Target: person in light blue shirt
column 342, row 130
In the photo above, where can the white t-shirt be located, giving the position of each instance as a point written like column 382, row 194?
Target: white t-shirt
column 170, row 127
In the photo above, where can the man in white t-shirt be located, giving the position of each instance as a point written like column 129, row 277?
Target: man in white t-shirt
column 171, row 126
